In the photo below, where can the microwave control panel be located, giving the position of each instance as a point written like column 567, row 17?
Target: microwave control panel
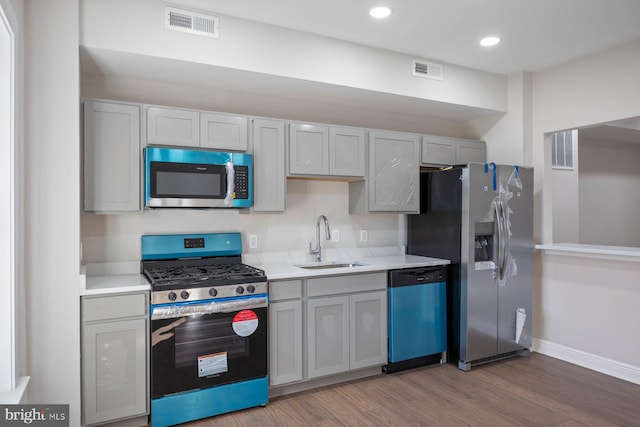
column 241, row 181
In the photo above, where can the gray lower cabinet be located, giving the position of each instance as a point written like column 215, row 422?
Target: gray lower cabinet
column 115, row 356
column 285, row 332
column 327, row 336
column 368, row 329
column 330, row 325
column 285, row 335
column 111, row 156
column 346, row 333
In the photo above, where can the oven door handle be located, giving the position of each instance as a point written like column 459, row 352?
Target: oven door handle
column 227, row 306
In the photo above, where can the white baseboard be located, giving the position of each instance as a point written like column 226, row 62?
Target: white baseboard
column 587, row 360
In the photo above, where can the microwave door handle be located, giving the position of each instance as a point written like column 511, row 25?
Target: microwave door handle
column 231, row 185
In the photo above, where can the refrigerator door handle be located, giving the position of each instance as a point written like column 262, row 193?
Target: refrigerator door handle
column 499, row 238
column 504, row 241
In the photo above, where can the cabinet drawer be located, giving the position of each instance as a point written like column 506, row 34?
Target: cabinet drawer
column 114, row 306
column 346, row 284
column 285, row 289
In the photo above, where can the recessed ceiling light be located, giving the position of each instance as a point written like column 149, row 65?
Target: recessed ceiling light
column 490, row 41
column 380, row 12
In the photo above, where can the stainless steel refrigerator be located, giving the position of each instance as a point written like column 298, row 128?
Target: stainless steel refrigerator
column 480, row 216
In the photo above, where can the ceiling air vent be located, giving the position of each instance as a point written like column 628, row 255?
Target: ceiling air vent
column 191, row 22
column 427, row 69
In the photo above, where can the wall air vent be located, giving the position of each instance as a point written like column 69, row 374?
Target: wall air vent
column 428, row 70
column 191, row 22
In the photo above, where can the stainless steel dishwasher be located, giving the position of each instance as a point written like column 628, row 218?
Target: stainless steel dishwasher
column 417, row 317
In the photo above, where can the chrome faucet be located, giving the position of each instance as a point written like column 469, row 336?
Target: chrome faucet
column 318, row 249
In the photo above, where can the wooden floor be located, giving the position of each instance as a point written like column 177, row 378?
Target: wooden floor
column 533, row 391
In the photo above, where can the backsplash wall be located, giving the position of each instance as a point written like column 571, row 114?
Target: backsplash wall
column 116, row 238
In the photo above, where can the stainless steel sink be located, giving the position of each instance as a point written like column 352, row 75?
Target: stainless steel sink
column 334, row 264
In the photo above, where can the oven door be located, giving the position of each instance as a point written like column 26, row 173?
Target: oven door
column 205, row 344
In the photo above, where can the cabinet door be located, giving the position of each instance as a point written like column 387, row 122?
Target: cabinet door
column 470, row 151
column 368, row 329
column 346, row 151
column 223, row 132
column 269, row 180
column 328, row 336
column 285, row 342
column 169, row 126
column 114, row 370
column 438, row 150
column 111, row 166
column 308, row 149
column 394, row 172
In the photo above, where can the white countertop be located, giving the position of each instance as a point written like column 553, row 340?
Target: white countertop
column 111, row 278
column 287, row 270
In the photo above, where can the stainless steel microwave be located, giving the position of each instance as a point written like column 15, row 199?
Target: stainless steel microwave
column 181, row 178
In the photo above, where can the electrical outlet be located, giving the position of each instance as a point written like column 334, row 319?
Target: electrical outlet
column 253, row 241
column 335, row 236
column 364, row 236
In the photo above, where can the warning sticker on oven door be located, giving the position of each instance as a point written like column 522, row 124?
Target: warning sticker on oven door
column 245, row 323
column 212, row 364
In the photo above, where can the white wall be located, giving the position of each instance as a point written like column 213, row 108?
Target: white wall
column 609, row 193
column 594, row 89
column 115, row 238
column 138, row 27
column 508, row 137
column 566, row 199
column 52, row 202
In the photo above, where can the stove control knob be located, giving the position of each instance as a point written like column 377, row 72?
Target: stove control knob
column 184, row 295
column 240, row 290
column 213, row 292
column 172, row 296
column 251, row 289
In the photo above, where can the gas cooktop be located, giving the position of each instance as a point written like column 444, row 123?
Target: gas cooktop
column 187, row 268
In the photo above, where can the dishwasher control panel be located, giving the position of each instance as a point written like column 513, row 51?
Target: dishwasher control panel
column 416, row 276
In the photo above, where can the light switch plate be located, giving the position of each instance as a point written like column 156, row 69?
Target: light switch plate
column 253, row 241
column 335, row 236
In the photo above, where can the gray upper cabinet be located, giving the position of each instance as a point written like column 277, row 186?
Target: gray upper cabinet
column 445, row 151
column 111, row 156
column 346, row 151
column 172, row 126
column 308, row 149
column 470, row 151
column 326, row 151
column 269, row 182
column 392, row 182
column 224, row 132
column 193, row 128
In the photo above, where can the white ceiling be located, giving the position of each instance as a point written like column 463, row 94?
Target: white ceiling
column 535, row 33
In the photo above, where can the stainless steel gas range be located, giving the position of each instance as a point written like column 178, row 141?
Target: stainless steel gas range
column 208, row 327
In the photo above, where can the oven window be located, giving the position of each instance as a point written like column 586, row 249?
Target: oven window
column 187, row 180
column 211, row 336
